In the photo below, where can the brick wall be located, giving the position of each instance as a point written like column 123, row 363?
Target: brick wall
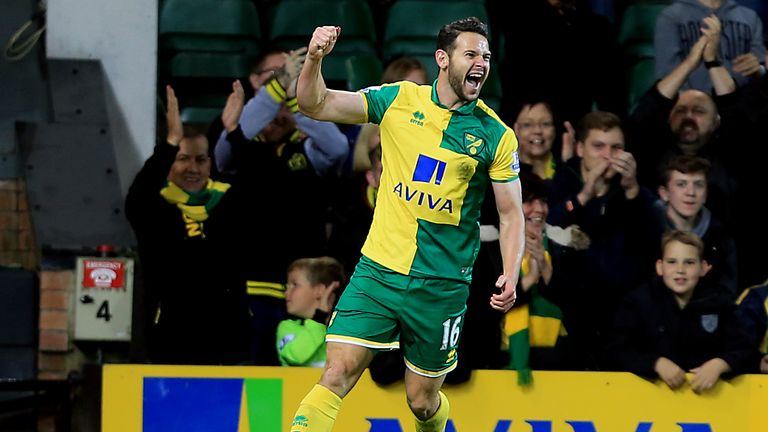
column 56, row 357
column 17, row 242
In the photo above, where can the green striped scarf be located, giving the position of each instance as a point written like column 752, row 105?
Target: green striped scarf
column 536, row 324
column 195, row 205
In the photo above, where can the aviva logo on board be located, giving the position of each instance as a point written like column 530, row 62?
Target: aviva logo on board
column 256, row 405
column 213, row 404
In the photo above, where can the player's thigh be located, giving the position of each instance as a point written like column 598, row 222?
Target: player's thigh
column 431, row 323
column 367, row 312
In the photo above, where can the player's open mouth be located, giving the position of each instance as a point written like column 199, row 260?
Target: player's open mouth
column 474, row 79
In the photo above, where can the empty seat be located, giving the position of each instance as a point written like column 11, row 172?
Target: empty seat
column 210, row 25
column 639, row 78
column 636, row 29
column 363, row 71
column 411, row 26
column 294, row 21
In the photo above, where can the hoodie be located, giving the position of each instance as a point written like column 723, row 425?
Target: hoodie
column 678, row 27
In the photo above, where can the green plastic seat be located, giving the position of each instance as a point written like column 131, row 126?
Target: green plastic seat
column 411, row 26
column 209, row 65
column 210, row 25
column 294, row 21
column 363, row 71
column 199, row 115
column 640, row 77
column 637, row 27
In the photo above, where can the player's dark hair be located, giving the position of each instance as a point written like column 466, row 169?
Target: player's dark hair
column 450, row 32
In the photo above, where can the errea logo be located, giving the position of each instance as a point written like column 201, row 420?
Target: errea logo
column 418, row 118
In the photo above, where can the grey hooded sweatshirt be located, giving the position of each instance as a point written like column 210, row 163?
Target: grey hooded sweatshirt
column 678, row 27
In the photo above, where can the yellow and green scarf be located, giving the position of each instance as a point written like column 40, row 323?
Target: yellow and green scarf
column 536, row 324
column 195, row 205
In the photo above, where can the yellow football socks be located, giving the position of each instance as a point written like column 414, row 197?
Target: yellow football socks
column 317, row 412
column 437, row 422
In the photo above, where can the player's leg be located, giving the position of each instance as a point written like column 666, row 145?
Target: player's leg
column 431, row 324
column 427, row 402
column 343, row 366
column 363, row 321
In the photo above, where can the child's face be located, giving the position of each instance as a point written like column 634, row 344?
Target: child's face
column 681, row 268
column 685, row 193
column 301, row 298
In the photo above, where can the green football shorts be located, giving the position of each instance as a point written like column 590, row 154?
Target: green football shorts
column 382, row 309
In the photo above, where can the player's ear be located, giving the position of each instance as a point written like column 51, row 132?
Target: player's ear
column 441, row 57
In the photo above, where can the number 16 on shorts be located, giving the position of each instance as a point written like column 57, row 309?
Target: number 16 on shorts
column 451, row 333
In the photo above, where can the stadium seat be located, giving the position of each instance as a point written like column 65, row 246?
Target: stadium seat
column 294, row 21
column 636, row 29
column 199, row 115
column 636, row 33
column 639, row 78
column 411, row 26
column 210, row 26
column 363, row 71
column 203, row 46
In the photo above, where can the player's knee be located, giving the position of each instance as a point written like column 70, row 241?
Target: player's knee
column 339, row 376
column 423, row 404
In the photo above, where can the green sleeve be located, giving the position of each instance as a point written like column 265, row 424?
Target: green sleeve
column 298, row 341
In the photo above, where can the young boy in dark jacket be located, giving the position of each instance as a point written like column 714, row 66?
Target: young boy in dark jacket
column 672, row 326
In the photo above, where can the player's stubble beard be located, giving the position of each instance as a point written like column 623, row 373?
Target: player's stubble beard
column 456, row 81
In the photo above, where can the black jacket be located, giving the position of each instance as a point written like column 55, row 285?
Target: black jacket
column 650, row 324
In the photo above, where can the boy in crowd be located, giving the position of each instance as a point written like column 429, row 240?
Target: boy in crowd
column 311, row 292
column 673, row 326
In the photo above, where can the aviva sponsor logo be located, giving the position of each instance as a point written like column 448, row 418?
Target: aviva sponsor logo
column 428, row 170
column 418, row 118
column 214, row 404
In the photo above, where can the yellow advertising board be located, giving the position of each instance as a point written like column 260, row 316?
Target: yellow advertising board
column 263, row 399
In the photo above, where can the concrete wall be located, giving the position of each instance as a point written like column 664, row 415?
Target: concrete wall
column 123, row 35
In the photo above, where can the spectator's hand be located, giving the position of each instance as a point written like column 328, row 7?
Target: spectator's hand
column 625, row 165
column 534, row 247
column 294, row 62
column 173, row 118
column 289, row 72
column 705, row 376
column 590, row 181
column 764, row 364
column 322, row 42
column 747, row 65
column 569, row 142
column 230, row 116
column 504, row 300
column 293, row 67
column 694, row 57
column 711, row 31
column 669, row 372
column 328, row 296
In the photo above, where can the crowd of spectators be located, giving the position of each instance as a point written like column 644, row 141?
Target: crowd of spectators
column 638, row 247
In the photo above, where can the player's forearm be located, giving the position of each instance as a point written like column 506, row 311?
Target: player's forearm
column 511, row 240
column 311, row 90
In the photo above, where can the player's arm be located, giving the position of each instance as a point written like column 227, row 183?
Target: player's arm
column 315, row 99
column 511, row 240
